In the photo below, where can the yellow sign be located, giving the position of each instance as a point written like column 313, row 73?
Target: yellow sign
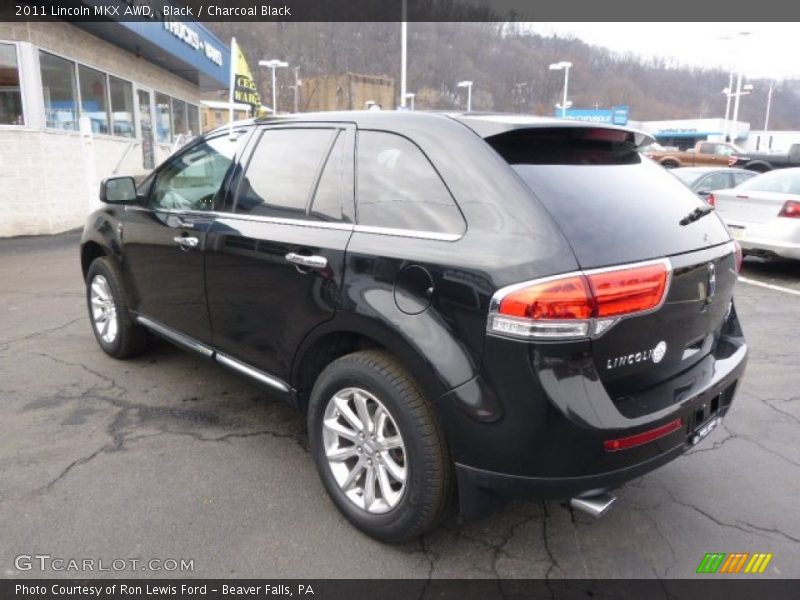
column 244, row 88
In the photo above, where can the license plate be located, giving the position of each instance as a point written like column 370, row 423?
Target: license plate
column 736, row 232
column 705, row 430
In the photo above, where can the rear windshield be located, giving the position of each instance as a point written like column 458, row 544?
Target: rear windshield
column 613, row 204
column 782, row 182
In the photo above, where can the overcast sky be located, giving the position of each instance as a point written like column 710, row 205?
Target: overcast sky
column 768, row 51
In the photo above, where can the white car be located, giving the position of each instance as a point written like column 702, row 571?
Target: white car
column 763, row 213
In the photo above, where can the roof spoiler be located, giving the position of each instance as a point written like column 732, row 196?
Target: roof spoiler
column 488, row 126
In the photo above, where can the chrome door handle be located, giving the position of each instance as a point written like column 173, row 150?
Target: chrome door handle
column 303, row 260
column 186, row 242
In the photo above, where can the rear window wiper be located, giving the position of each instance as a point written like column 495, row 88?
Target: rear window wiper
column 697, row 213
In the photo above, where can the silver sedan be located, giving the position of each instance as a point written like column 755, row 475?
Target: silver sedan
column 763, row 213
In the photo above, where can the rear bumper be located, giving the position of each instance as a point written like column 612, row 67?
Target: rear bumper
column 778, row 236
column 536, row 445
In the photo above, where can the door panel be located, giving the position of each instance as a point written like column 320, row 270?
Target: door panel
column 165, row 277
column 262, row 305
column 164, row 241
column 262, row 300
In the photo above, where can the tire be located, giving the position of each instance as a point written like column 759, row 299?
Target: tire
column 122, row 338
column 400, row 511
column 669, row 164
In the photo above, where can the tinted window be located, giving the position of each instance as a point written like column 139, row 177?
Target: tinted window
column 192, row 180
column 398, row 187
column 613, row 205
column 330, row 195
column 781, row 181
column 282, row 172
column 708, row 149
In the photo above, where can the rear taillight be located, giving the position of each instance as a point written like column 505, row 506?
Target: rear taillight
column 578, row 304
column 627, row 291
column 711, row 200
column 791, row 210
column 642, row 438
column 732, row 160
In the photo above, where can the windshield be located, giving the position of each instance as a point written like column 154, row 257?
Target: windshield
column 786, row 181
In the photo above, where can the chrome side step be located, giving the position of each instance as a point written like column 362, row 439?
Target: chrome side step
column 174, row 336
column 223, row 359
column 251, row 372
column 595, row 506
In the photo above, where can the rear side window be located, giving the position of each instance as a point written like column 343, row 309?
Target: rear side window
column 282, row 173
column 742, row 176
column 714, row 181
column 398, row 188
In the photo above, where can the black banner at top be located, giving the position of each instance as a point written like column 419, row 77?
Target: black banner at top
column 399, row 10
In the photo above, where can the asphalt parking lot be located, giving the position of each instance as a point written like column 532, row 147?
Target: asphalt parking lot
column 169, row 456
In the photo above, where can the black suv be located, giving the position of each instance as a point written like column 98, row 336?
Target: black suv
column 484, row 304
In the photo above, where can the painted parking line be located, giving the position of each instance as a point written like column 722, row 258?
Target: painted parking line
column 769, row 286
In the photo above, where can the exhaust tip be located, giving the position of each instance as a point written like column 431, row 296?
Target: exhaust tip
column 595, row 506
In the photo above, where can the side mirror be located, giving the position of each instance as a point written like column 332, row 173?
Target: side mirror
column 118, row 190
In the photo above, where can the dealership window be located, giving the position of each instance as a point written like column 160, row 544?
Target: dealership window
column 10, row 92
column 193, row 118
column 163, row 119
column 59, row 91
column 121, row 107
column 94, row 98
column 178, row 117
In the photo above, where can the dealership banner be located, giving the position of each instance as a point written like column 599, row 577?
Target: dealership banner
column 401, row 589
column 244, row 88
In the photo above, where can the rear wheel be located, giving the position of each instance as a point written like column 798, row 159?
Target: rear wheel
column 379, row 451
column 116, row 332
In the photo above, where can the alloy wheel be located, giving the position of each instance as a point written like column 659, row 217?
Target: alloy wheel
column 365, row 450
column 104, row 310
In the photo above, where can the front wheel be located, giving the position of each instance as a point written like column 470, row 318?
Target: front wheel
column 116, row 332
column 378, row 449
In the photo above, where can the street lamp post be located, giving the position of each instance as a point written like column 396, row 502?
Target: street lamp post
column 468, row 85
column 403, row 53
column 296, row 86
column 741, row 90
column 769, row 105
column 563, row 66
column 273, row 64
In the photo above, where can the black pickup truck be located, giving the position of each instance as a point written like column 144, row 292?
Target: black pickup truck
column 764, row 161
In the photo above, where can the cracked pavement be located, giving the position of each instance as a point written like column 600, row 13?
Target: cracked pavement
column 170, row 456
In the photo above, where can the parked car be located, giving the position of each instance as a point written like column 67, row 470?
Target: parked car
column 763, row 213
column 761, row 162
column 704, row 180
column 494, row 303
column 714, row 154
